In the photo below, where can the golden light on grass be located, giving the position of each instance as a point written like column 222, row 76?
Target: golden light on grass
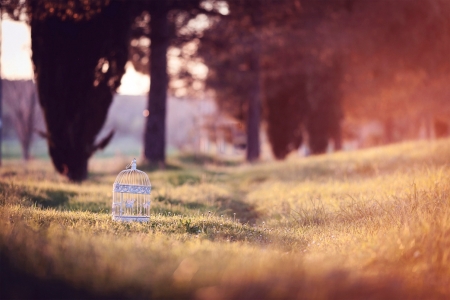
column 367, row 224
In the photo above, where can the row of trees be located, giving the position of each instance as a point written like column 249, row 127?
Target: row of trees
column 292, row 65
column 399, row 64
column 372, row 60
column 266, row 55
column 79, row 53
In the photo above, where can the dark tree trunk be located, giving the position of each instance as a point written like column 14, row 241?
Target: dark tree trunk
column 325, row 109
column 318, row 133
column 1, row 90
column 337, row 137
column 254, row 113
column 29, row 127
column 155, row 129
column 1, row 114
column 286, row 111
column 78, row 67
column 255, row 102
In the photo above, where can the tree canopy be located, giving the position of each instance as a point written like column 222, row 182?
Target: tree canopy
column 79, row 54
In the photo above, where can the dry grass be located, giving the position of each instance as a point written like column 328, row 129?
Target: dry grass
column 370, row 224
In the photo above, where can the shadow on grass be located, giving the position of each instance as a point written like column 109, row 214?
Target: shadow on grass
column 43, row 198
column 20, row 281
column 55, row 199
column 99, row 177
column 203, row 159
column 245, row 212
column 95, row 207
column 16, row 283
column 175, row 206
column 149, row 167
column 50, row 198
column 183, row 178
column 233, row 208
column 9, row 174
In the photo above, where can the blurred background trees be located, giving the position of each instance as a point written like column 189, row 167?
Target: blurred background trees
column 297, row 72
column 302, row 72
column 20, row 99
column 232, row 48
column 398, row 64
column 160, row 25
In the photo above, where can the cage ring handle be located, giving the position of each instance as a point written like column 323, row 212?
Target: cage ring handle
column 132, row 165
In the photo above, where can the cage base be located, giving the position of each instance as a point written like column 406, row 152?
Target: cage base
column 131, row 218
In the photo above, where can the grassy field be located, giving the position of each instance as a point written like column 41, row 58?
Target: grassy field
column 372, row 224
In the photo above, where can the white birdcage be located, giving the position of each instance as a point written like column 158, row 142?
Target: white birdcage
column 131, row 195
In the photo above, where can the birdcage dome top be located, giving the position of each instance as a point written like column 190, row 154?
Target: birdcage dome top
column 132, row 180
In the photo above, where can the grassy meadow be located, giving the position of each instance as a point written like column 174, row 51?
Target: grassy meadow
column 369, row 224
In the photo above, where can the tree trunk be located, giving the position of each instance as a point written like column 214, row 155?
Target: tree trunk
column 254, row 116
column 254, row 105
column 286, row 104
column 318, row 132
column 78, row 67
column 1, row 90
column 1, row 112
column 337, row 137
column 29, row 127
column 155, row 129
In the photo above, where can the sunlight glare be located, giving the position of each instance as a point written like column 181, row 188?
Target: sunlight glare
column 133, row 82
column 16, row 50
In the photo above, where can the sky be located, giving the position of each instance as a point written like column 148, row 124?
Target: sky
column 15, row 51
column 16, row 59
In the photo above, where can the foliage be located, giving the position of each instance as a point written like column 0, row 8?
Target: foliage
column 372, row 223
column 160, row 25
column 397, row 64
column 79, row 60
column 377, row 60
column 299, row 69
